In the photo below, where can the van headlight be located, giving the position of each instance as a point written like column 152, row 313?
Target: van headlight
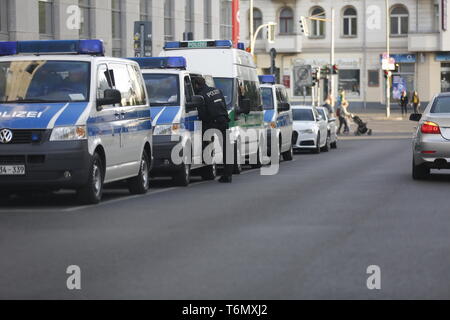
column 166, row 129
column 71, row 133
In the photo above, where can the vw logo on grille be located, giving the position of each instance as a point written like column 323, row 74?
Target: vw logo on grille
column 6, row 136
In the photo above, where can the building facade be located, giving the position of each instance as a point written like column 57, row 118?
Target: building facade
column 113, row 21
column 419, row 40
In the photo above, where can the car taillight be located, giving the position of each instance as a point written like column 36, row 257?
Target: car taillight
column 429, row 127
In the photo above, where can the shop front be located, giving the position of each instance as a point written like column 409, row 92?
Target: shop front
column 444, row 59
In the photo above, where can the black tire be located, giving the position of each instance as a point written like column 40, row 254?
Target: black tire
column 333, row 145
column 317, row 149
column 289, row 155
column 141, row 183
column 182, row 178
column 327, row 146
column 209, row 173
column 258, row 160
column 92, row 192
column 420, row 172
column 237, row 168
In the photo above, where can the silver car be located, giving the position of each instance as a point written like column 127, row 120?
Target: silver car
column 431, row 142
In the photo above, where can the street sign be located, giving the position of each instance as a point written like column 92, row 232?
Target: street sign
column 388, row 64
column 303, row 76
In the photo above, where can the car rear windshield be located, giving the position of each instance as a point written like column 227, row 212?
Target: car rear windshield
column 267, row 96
column 44, row 81
column 163, row 89
column 302, row 115
column 441, row 105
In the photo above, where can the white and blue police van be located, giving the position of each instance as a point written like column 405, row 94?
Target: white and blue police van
column 71, row 118
column 277, row 116
column 235, row 74
column 175, row 120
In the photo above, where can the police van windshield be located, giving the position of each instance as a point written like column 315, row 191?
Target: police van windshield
column 267, row 96
column 163, row 89
column 226, row 86
column 302, row 115
column 44, row 81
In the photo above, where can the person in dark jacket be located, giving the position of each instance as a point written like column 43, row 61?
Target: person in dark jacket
column 214, row 115
column 404, row 101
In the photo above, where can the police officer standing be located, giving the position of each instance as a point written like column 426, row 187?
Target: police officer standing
column 214, row 115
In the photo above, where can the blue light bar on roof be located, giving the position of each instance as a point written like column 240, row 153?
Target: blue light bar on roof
column 198, row 44
column 241, row 46
column 269, row 79
column 161, row 63
column 91, row 47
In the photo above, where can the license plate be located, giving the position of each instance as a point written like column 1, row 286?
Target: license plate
column 13, row 170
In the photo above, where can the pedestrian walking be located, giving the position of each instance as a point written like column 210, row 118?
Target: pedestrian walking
column 342, row 113
column 328, row 106
column 416, row 102
column 404, row 101
column 214, row 115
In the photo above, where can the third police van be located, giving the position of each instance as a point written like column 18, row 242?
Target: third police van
column 175, row 118
column 71, row 118
column 234, row 72
column 277, row 115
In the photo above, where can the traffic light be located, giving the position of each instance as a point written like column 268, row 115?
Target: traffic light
column 314, row 77
column 387, row 74
column 335, row 69
column 397, row 68
column 271, row 33
column 304, row 28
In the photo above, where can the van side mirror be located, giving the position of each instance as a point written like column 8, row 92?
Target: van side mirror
column 244, row 107
column 196, row 101
column 283, row 106
column 415, row 117
column 111, row 96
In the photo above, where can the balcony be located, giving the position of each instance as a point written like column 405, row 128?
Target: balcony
column 292, row 43
column 423, row 42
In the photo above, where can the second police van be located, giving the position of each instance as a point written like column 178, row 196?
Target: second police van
column 174, row 113
column 71, row 118
column 234, row 72
column 277, row 115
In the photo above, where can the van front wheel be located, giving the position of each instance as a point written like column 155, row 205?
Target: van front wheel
column 93, row 191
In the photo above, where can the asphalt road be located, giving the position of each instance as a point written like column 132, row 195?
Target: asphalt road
column 309, row 232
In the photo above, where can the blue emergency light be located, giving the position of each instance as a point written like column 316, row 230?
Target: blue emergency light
column 198, row 44
column 90, row 47
column 161, row 63
column 241, row 46
column 267, row 79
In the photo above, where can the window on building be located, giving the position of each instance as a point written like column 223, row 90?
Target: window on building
column 189, row 16
column 168, row 20
column 145, row 10
column 3, row 17
column 399, row 21
column 349, row 80
column 46, row 17
column 437, row 18
column 286, row 21
column 445, row 77
column 257, row 21
column 350, row 22
column 116, row 19
column 207, row 19
column 374, row 78
column 225, row 19
column 85, row 22
column 318, row 27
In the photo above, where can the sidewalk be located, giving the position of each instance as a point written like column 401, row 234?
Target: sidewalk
column 396, row 127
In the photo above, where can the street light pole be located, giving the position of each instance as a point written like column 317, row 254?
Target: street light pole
column 332, row 57
column 388, row 49
column 255, row 36
column 251, row 19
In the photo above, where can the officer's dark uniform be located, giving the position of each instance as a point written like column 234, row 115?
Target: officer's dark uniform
column 214, row 115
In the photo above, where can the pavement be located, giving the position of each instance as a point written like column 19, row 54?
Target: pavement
column 309, row 232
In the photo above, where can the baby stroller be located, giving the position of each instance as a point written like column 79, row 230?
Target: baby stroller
column 362, row 127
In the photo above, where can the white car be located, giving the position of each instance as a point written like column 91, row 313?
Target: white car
column 332, row 127
column 310, row 130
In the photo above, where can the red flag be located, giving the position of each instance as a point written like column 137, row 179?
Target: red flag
column 236, row 22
